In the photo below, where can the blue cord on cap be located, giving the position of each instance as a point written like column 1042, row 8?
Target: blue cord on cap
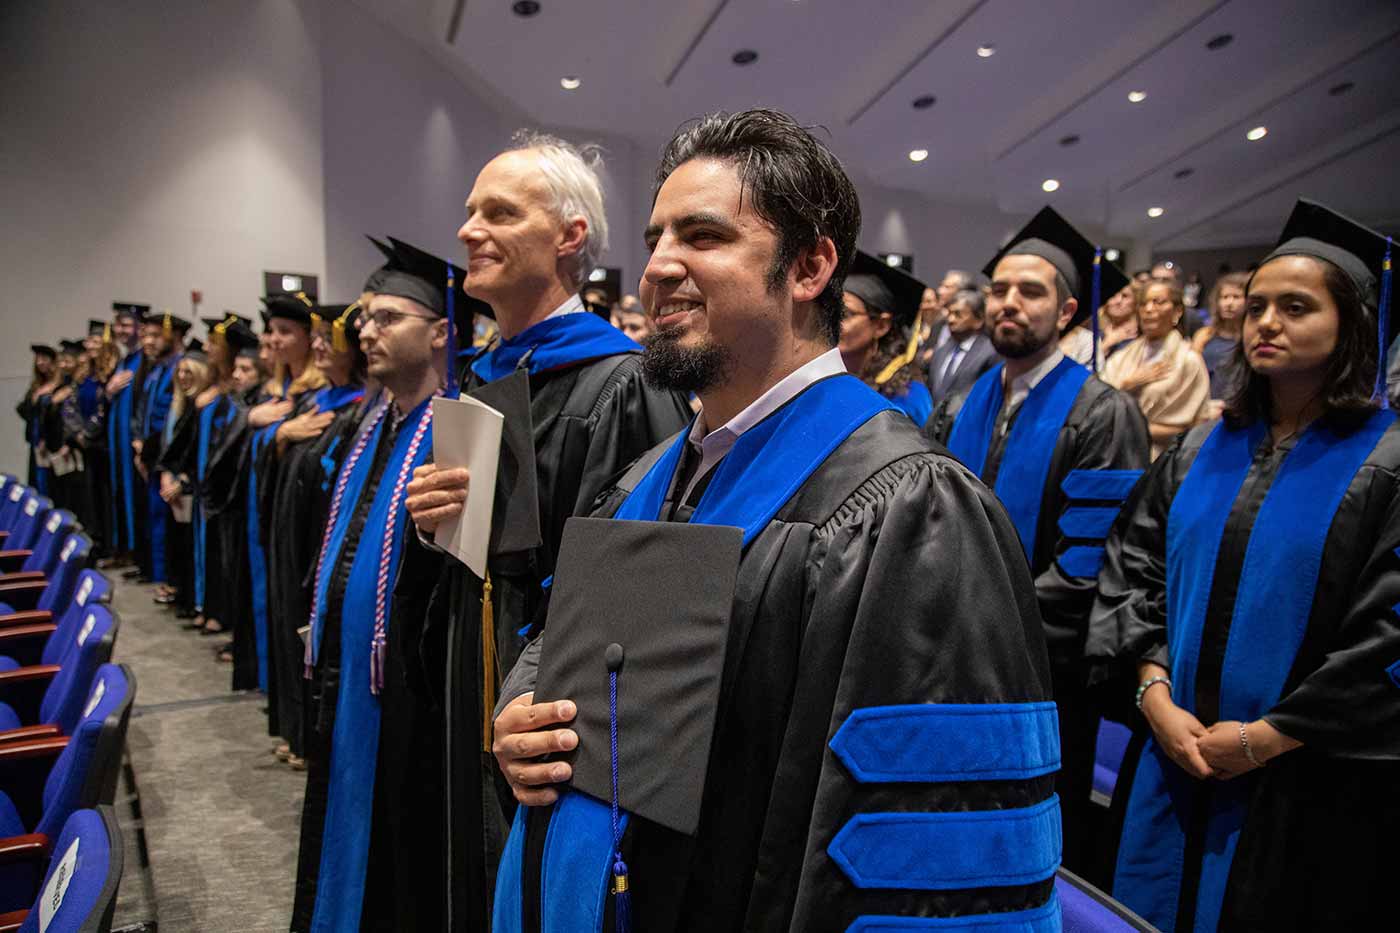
column 451, row 332
column 622, row 898
column 1094, row 308
column 1383, row 328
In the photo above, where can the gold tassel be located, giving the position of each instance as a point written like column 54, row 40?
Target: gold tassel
column 106, row 333
column 488, row 663
column 339, row 343
column 166, row 327
column 905, row 358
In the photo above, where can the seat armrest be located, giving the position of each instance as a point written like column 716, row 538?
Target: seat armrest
column 23, row 576
column 33, row 748
column 29, row 847
column 25, row 617
column 13, row 558
column 14, row 633
column 22, row 595
column 25, row 733
column 30, row 674
column 12, row 921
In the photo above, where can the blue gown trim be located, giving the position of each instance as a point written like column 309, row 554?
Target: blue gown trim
column 1020, row 483
column 1042, row 919
column 949, row 742
column 1278, row 583
column 557, row 342
column 950, row 850
column 916, row 402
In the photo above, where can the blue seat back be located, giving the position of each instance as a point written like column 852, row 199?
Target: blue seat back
column 54, row 530
column 85, row 773
column 29, row 521
column 79, row 891
column 1086, row 909
column 72, row 558
column 10, row 506
column 92, row 589
column 87, row 650
column 1108, row 755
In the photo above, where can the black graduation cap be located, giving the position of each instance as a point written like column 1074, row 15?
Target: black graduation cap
column 345, row 324
column 70, row 347
column 292, row 307
column 101, row 329
column 515, row 517
column 885, row 289
column 170, row 323
column 195, row 349
column 43, row 349
column 654, row 598
column 130, row 309
column 1054, row 239
column 241, row 339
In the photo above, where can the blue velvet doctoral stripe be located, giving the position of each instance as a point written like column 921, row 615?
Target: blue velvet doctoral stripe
column 1030, row 446
column 575, row 866
column 1102, row 485
column 916, row 402
column 769, row 462
column 340, row 884
column 508, row 904
column 119, row 468
column 766, row 466
column 1082, row 560
column 949, row 742
column 257, row 559
column 557, row 342
column 1272, row 604
column 334, row 398
column 1042, row 919
column 950, row 850
column 1088, row 521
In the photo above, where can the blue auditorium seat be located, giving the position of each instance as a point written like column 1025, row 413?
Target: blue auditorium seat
column 79, row 891
column 28, row 520
column 39, row 561
column 1108, row 758
column 37, row 637
column 49, row 596
column 43, row 781
column 1086, row 909
column 10, row 505
column 53, row 694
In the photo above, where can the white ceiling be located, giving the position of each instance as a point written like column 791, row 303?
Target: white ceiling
column 1061, row 68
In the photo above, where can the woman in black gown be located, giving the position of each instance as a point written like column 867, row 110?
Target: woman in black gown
column 1248, row 589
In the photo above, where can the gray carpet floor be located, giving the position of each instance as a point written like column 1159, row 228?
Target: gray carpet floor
column 219, row 811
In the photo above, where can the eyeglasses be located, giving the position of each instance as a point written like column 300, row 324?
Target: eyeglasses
column 388, row 317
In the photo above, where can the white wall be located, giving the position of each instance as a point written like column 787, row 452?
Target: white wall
column 149, row 149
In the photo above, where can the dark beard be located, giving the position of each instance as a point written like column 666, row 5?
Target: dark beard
column 1025, row 344
column 666, row 365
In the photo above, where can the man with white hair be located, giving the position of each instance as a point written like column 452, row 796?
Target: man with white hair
column 535, row 228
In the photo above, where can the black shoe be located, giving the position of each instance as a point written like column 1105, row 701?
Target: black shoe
column 186, row 614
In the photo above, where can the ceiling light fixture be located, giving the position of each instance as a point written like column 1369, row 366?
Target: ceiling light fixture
column 1258, row 133
column 1050, row 184
column 569, row 83
column 1220, row 41
column 1337, row 90
column 1111, row 254
column 1184, row 173
column 745, row 57
column 986, row 51
column 525, row 8
column 1137, row 97
column 924, row 102
column 1155, row 212
column 1070, row 140
column 918, row 155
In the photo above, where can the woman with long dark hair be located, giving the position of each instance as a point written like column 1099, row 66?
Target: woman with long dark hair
column 1248, row 590
column 1218, row 340
column 880, row 334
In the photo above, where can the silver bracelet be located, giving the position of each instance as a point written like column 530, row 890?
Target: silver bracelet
column 1248, row 752
column 1142, row 689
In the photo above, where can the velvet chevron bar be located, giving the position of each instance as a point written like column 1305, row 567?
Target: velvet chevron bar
column 1103, row 485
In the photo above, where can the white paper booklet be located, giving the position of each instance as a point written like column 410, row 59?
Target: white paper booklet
column 467, row 434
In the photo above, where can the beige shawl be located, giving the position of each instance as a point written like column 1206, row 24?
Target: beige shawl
column 1180, row 399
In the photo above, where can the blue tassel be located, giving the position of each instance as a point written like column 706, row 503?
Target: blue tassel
column 622, row 897
column 451, row 332
column 1383, row 327
column 1094, row 312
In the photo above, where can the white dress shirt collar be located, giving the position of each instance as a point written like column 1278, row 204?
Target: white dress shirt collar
column 1021, row 386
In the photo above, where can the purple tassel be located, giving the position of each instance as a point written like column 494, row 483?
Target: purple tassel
column 376, row 666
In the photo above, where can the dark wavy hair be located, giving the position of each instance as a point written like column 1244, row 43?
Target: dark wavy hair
column 1351, row 369
column 797, row 185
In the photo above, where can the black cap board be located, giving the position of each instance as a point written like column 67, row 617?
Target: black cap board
column 1318, row 231
column 195, row 349
column 130, row 309
column 660, row 595
column 228, row 318
column 885, row 289
column 70, row 347
column 43, row 349
column 295, row 307
column 97, row 328
column 413, row 273
column 1054, row 239
column 241, row 339
column 515, row 517
column 344, row 321
column 167, row 321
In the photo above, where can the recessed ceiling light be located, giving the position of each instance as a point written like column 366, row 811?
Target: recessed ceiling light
column 1069, row 140
column 924, row 102
column 986, row 51
column 893, row 260
column 1049, row 184
column 1184, row 173
column 1337, row 90
column 598, row 275
column 1259, row 132
column 525, row 7
column 918, row 155
column 1111, row 255
column 1220, row 41
column 569, row 83
column 1155, row 212
column 745, row 57
column 1137, row 97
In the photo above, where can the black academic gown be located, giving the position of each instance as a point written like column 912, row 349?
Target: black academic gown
column 591, row 421
column 220, row 494
column 850, row 597
column 1105, row 430
column 1317, row 847
column 177, row 457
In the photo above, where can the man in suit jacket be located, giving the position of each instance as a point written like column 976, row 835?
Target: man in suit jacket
column 967, row 354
